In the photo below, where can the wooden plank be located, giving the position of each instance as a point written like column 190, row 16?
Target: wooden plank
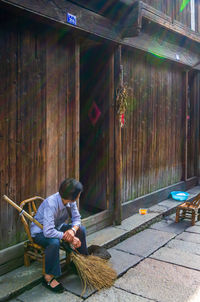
column 62, row 56
column 12, row 121
column 4, row 115
column 51, row 116
column 111, row 152
column 70, row 107
column 197, row 172
column 118, row 155
column 193, row 128
column 40, row 54
column 76, row 127
column 198, row 13
column 155, row 154
column 185, row 125
column 156, row 11
column 26, row 112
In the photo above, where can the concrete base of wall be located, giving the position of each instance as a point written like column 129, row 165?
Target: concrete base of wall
column 131, row 207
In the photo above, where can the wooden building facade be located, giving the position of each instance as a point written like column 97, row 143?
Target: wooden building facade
column 58, row 112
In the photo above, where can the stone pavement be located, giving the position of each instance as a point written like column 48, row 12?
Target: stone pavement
column 160, row 263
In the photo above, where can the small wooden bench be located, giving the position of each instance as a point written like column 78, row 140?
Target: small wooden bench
column 189, row 210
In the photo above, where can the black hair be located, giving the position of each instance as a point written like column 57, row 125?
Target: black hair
column 70, row 188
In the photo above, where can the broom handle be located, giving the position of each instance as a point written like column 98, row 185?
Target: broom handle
column 22, row 211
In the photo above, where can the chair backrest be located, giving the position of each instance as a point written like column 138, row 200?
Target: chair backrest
column 196, row 201
column 32, row 210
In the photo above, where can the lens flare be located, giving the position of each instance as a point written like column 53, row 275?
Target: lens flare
column 184, row 4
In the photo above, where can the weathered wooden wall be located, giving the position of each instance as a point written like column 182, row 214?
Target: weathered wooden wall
column 182, row 15
column 153, row 137
column 193, row 124
column 173, row 8
column 38, row 105
column 165, row 6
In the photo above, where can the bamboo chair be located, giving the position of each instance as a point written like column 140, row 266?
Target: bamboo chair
column 189, row 210
column 31, row 249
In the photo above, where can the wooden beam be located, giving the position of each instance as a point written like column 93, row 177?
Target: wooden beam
column 56, row 12
column 132, row 25
column 141, row 11
column 118, row 151
column 93, row 23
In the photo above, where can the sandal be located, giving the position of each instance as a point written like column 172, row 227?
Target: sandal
column 57, row 289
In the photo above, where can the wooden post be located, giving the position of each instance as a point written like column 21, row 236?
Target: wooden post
column 111, row 127
column 185, row 125
column 198, row 120
column 72, row 135
column 117, row 140
column 51, row 116
column 77, row 109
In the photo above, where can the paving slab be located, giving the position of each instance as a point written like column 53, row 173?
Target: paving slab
column 170, row 203
column 194, row 191
column 170, row 226
column 145, row 243
column 177, row 256
column 72, row 283
column 171, row 217
column 191, row 237
column 135, row 221
column 115, row 295
column 194, row 229
column 186, row 246
column 122, row 261
column 14, row 281
column 41, row 294
column 105, row 236
column 161, row 281
column 157, row 209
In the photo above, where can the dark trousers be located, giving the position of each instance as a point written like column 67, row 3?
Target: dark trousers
column 52, row 246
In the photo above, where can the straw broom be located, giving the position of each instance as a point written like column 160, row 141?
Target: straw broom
column 96, row 273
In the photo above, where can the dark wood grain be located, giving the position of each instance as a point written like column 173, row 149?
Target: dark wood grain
column 152, row 138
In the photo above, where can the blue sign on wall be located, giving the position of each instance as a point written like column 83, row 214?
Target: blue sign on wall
column 71, row 19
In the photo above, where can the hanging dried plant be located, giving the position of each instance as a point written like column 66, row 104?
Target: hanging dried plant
column 122, row 102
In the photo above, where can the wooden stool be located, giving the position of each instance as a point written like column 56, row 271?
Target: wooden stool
column 31, row 249
column 189, row 210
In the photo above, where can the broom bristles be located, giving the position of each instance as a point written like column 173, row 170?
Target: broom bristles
column 95, row 272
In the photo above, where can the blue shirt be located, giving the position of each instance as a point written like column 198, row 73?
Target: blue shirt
column 52, row 213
